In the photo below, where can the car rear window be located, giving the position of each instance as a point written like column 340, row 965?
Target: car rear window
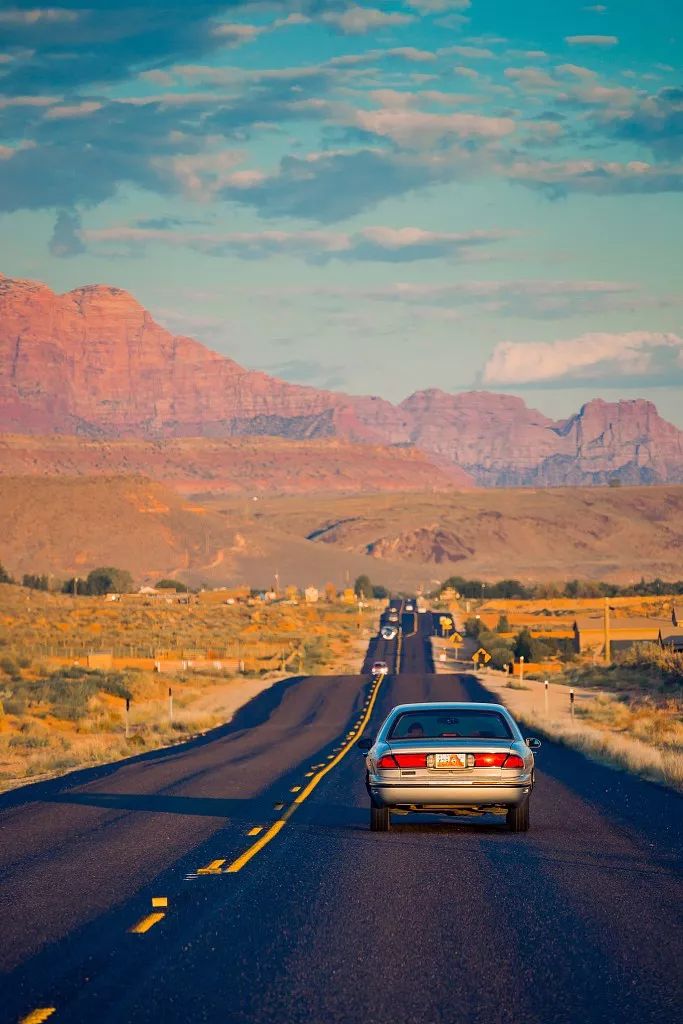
column 443, row 724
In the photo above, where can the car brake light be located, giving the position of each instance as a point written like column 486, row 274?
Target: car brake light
column 513, row 761
column 489, row 760
column 402, row 761
column 411, row 760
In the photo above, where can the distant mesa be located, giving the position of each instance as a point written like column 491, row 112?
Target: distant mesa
column 94, row 364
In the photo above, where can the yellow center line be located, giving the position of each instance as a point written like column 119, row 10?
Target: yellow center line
column 277, row 827
column 39, row 1015
column 159, row 901
column 255, row 831
column 295, row 789
column 146, row 923
column 214, row 866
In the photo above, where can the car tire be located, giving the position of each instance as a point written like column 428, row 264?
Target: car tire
column 518, row 817
column 380, row 819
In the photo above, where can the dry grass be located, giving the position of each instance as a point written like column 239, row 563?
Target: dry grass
column 658, row 763
column 53, row 719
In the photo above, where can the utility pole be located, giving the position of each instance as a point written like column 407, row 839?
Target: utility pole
column 170, row 706
column 608, row 640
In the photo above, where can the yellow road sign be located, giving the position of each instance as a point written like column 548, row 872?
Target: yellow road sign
column 455, row 640
column 481, row 655
column 446, row 624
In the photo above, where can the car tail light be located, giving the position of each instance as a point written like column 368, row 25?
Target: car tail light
column 513, row 761
column 411, row 760
column 402, row 761
column 489, row 760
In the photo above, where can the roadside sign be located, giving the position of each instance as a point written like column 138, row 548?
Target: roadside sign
column 455, row 640
column 446, row 624
column 481, row 655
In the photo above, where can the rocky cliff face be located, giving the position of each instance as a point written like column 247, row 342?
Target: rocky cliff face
column 93, row 362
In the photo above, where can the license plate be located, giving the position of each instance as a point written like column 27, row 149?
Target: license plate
column 449, row 761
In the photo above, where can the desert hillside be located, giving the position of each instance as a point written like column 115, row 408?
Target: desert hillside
column 254, row 465
column 69, row 525
column 617, row 534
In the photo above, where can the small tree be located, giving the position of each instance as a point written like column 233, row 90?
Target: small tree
column 330, row 592
column 109, row 580
column 363, row 587
column 4, row 575
column 167, row 584
column 34, row 582
column 380, row 592
column 473, row 628
column 503, row 624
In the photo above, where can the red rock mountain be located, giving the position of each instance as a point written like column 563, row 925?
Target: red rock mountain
column 94, row 363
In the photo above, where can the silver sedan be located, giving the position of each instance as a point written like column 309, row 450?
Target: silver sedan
column 450, row 758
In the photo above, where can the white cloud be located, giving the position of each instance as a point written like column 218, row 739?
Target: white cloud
column 467, row 73
column 576, row 70
column 473, row 52
column 531, row 78
column 372, row 243
column 635, row 354
column 596, row 177
column 415, row 128
column 591, row 40
column 26, row 101
column 357, row 21
column 36, row 16
column 73, row 110
column 238, row 33
column 438, row 6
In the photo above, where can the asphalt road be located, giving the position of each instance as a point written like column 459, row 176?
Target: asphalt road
column 436, row 921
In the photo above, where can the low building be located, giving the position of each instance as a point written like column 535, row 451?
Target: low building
column 624, row 633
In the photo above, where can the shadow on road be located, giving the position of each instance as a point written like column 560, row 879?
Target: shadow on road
column 211, row 807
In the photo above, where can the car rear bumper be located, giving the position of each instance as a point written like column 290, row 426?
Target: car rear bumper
column 396, row 794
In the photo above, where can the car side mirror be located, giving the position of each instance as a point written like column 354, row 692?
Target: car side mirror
column 532, row 743
column 365, row 743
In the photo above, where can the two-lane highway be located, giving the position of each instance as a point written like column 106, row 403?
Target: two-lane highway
column 439, row 920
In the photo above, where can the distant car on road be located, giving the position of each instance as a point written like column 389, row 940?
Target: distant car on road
column 389, row 632
column 392, row 615
column 379, row 668
column 410, row 607
column 450, row 758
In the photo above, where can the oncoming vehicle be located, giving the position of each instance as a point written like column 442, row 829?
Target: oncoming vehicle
column 379, row 668
column 389, row 632
column 392, row 615
column 450, row 758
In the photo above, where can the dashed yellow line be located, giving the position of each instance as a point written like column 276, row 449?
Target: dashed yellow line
column 238, row 864
column 39, row 1015
column 255, row 831
column 212, row 868
column 333, row 760
column 159, row 901
column 146, row 923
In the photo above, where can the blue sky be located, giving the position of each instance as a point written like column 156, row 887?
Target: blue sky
column 374, row 197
